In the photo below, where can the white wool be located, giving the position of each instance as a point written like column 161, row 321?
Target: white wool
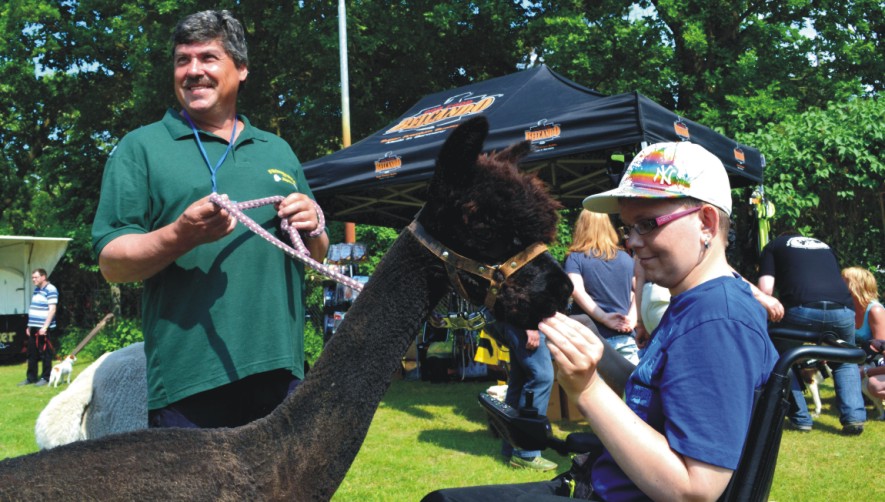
column 108, row 397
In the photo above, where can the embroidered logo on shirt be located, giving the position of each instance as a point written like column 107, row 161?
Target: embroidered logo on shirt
column 806, row 243
column 284, row 177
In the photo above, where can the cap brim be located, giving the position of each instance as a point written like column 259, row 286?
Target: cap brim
column 607, row 202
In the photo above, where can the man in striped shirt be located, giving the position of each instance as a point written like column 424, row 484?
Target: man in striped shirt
column 41, row 328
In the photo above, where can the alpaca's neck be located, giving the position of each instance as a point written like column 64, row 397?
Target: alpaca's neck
column 322, row 425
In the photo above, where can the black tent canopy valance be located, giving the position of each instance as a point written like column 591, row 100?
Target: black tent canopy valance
column 575, row 133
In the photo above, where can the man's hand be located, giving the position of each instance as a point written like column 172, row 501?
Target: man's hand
column 300, row 212
column 617, row 322
column 774, row 307
column 203, row 222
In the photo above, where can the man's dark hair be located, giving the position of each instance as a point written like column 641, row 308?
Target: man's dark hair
column 41, row 272
column 213, row 25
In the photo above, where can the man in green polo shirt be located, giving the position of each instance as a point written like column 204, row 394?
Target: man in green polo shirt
column 223, row 311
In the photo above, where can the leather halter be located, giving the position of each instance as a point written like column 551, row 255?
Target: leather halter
column 495, row 274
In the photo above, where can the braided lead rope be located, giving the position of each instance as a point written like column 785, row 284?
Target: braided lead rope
column 299, row 251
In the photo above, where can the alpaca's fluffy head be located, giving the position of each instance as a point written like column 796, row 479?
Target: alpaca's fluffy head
column 483, row 207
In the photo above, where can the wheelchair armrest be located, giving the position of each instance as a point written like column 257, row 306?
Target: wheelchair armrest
column 812, row 337
column 530, row 431
column 523, row 432
column 836, row 350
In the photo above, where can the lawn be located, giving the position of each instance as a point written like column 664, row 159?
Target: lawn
column 427, row 436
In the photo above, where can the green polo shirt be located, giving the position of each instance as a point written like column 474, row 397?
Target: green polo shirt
column 227, row 309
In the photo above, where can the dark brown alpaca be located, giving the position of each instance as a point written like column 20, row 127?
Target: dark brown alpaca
column 483, row 209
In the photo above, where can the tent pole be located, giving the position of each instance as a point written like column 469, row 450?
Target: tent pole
column 349, row 227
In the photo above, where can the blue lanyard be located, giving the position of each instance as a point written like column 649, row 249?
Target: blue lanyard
column 230, row 144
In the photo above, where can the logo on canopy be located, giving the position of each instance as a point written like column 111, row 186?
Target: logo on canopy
column 386, row 166
column 542, row 132
column 450, row 111
column 739, row 157
column 681, row 130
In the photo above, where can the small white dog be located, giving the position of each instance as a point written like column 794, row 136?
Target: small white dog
column 812, row 374
column 62, row 370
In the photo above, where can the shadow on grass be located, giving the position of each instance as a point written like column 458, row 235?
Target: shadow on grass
column 418, row 398
column 430, row 401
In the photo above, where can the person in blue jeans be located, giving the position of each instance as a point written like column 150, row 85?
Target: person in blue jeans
column 815, row 298
column 531, row 369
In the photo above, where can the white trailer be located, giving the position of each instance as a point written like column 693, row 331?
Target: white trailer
column 19, row 256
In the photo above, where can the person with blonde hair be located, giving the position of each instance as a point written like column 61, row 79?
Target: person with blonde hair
column 602, row 273
column 869, row 323
column 869, row 315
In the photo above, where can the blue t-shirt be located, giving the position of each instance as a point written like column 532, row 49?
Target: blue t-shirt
column 608, row 282
column 39, row 309
column 697, row 381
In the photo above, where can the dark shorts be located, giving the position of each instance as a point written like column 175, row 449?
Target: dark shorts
column 231, row 405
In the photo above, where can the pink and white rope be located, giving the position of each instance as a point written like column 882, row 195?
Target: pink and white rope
column 299, row 251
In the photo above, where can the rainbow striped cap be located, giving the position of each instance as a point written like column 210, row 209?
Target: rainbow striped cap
column 669, row 171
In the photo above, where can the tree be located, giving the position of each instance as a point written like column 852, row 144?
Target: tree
column 716, row 62
column 826, row 177
column 78, row 75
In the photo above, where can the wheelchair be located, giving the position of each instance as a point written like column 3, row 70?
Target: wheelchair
column 528, row 430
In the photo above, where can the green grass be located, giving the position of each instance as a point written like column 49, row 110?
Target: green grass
column 427, row 436
column 20, row 407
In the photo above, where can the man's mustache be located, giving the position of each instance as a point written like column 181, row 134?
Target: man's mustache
column 198, row 81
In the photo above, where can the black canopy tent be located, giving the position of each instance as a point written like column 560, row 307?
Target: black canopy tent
column 575, row 133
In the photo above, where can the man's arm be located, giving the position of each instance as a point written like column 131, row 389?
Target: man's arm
column 766, row 284
column 135, row 257
column 642, row 334
column 771, row 304
column 318, row 246
column 612, row 320
column 50, row 315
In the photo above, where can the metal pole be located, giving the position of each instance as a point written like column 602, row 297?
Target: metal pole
column 349, row 227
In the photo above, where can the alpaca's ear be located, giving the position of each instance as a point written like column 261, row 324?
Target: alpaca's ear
column 513, row 153
column 459, row 153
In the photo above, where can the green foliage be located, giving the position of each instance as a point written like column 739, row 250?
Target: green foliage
column 77, row 76
column 602, row 48
column 706, row 60
column 377, row 240
column 564, row 231
column 116, row 335
column 825, row 175
column 124, row 332
column 313, row 342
